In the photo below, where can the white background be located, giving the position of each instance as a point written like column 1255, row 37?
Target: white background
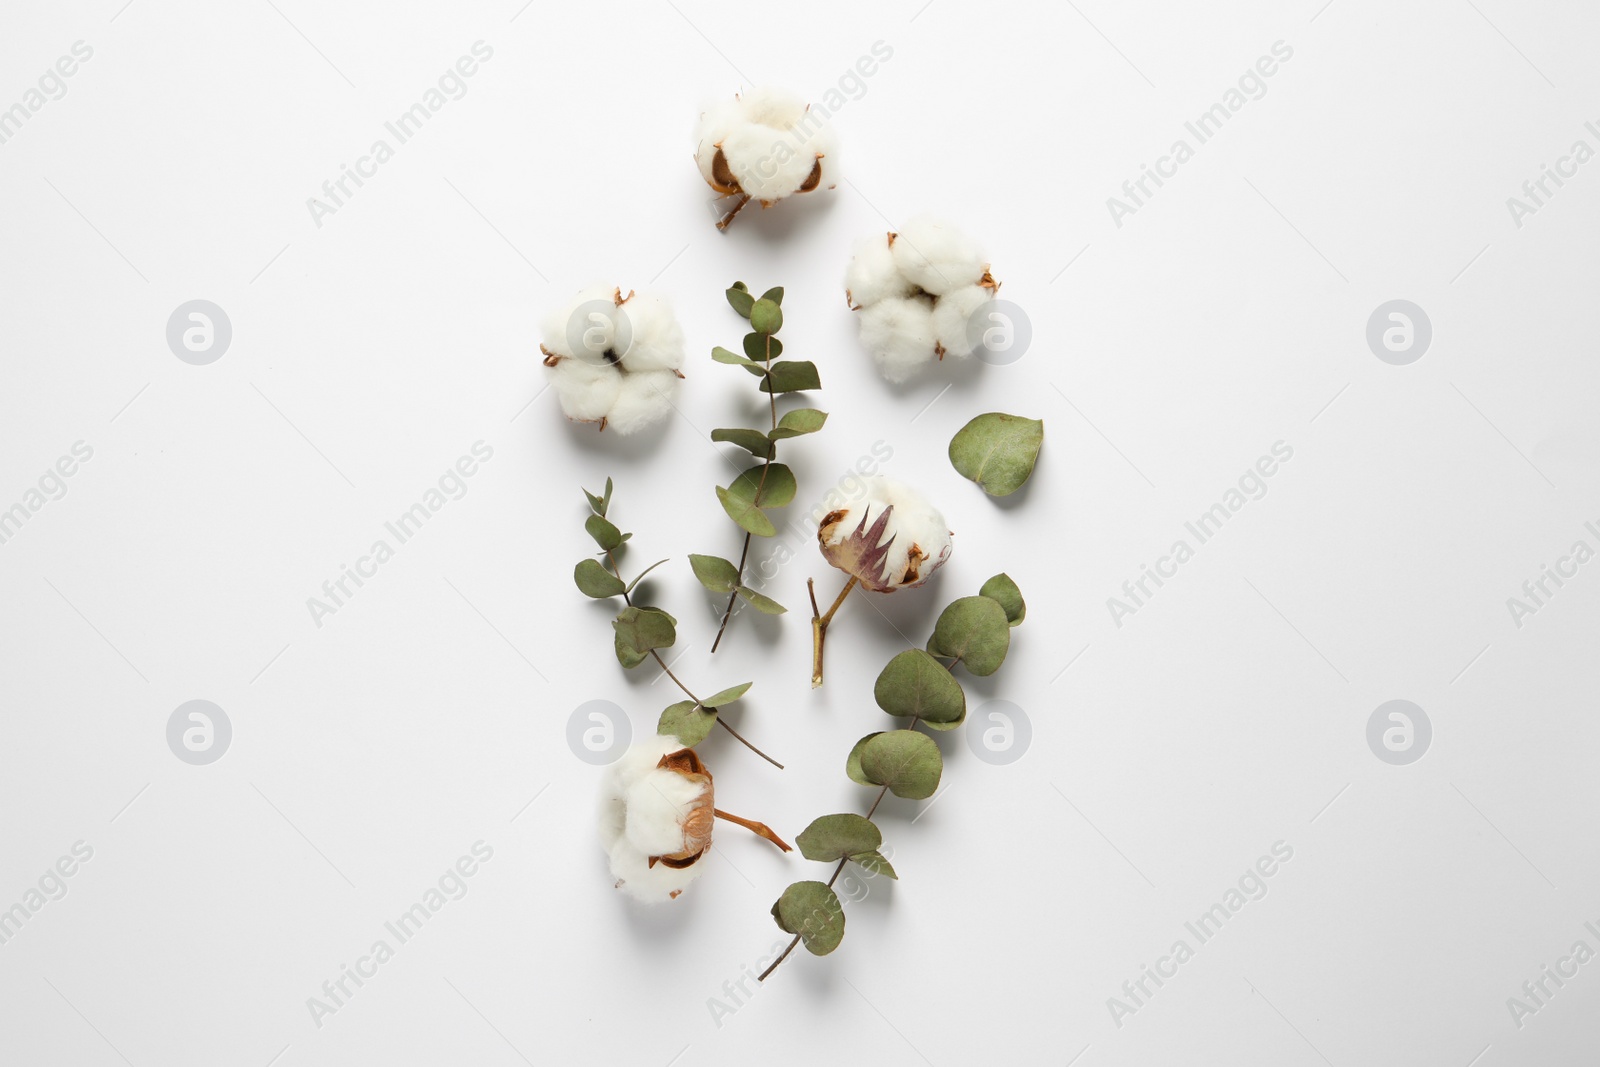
column 1229, row 713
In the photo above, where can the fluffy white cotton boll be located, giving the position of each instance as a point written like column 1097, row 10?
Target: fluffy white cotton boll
column 557, row 332
column 898, row 332
column 657, row 806
column 643, row 399
column 873, row 274
column 587, row 391
column 892, row 539
column 656, row 802
column 765, row 144
column 769, row 164
column 770, row 106
column 951, row 314
column 936, row 256
column 657, row 339
column 651, row 885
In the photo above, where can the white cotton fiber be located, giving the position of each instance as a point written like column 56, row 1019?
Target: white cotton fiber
column 898, row 332
column 937, row 257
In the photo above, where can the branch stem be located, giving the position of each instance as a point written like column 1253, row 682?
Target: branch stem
column 744, row 553
column 760, row 829
column 819, row 628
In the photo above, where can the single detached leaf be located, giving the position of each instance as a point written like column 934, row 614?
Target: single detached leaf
column 605, row 535
column 639, row 630
column 813, row 911
column 727, row 696
column 766, row 316
column 776, row 488
column 975, row 631
column 915, row 684
column 640, row 576
column 997, row 451
column 753, row 441
column 746, row 514
column 761, row 347
column 686, row 721
column 775, row 294
column 906, row 761
column 833, row 837
column 715, row 573
column 764, row 604
column 740, row 300
column 792, row 376
column 594, row 580
column 874, row 863
column 1003, row 590
column 852, row 763
column 799, row 421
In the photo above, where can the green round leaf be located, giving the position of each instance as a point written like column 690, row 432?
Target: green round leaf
column 797, row 422
column 775, row 492
column 917, row 685
column 639, row 630
column 605, row 535
column 594, row 580
column 746, row 514
column 791, row 376
column 775, row 294
column 715, row 573
column 852, row 763
column 727, row 696
column 1002, row 589
column 874, row 863
column 833, row 837
column 766, row 316
column 740, row 300
column 752, row 441
column 761, row 347
column 997, row 451
column 975, row 631
column 686, row 721
column 906, row 761
column 813, row 911
column 764, row 604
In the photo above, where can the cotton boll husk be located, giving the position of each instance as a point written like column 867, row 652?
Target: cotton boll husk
column 936, row 256
column 644, row 399
column 873, row 274
column 898, row 332
column 652, row 885
column 587, row 391
column 952, row 312
column 657, row 806
column 657, row 341
column 769, row 164
column 914, row 543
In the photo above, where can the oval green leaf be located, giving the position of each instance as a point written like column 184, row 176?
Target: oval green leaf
column 916, row 685
column 906, row 761
column 874, row 863
column 746, row 514
column 997, row 451
column 715, row 573
column 766, row 316
column 833, row 837
column 791, row 376
column 764, row 604
column 740, row 300
column 775, row 490
column 1004, row 591
column 975, row 631
column 686, row 721
column 812, row 911
column 639, row 630
column 727, row 696
column 797, row 422
column 594, row 580
column 852, row 763
column 605, row 535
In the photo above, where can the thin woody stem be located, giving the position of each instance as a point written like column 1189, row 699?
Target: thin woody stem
column 744, row 553
column 628, row 600
column 760, row 829
column 819, row 629
column 728, row 218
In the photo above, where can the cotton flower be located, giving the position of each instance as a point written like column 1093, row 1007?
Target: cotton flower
column 916, row 291
column 656, row 812
column 889, row 538
column 614, row 359
column 764, row 145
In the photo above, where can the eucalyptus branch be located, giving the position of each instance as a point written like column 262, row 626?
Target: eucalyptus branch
column 641, row 632
column 771, row 484
column 974, row 631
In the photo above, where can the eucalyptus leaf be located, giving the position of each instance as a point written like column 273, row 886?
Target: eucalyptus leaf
column 906, row 761
column 766, row 316
column 764, row 604
column 1002, row 589
column 607, row 536
column 639, row 630
column 917, row 685
column 792, row 376
column 596, row 504
column 775, row 489
column 875, row 863
column 594, row 580
column 640, row 576
column 761, row 347
column 812, row 911
column 834, row 837
column 686, row 721
column 775, row 294
column 727, row 696
column 753, row 441
column 722, row 355
column 746, row 514
column 997, row 451
column 740, row 300
column 715, row 573
column 799, row 421
column 975, row 631
column 852, row 763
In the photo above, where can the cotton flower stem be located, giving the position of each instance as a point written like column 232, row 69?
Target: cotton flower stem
column 819, row 626
column 626, row 599
column 744, row 553
column 727, row 220
column 760, row 829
